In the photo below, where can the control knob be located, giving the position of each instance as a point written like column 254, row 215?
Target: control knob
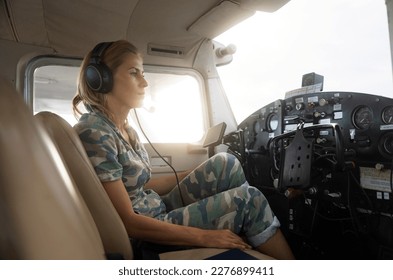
column 323, row 102
column 299, row 106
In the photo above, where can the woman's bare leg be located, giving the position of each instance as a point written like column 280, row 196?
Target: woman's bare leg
column 277, row 247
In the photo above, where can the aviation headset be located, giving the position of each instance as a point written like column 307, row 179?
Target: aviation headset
column 98, row 75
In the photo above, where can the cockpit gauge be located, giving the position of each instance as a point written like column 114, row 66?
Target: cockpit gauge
column 387, row 115
column 272, row 122
column 362, row 117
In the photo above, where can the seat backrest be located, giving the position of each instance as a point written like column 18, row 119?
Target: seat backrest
column 109, row 223
column 42, row 215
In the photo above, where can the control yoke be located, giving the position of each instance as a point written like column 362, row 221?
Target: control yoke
column 293, row 154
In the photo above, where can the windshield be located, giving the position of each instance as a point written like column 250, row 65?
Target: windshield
column 345, row 41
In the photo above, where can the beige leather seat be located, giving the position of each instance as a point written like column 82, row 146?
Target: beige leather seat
column 42, row 215
column 109, row 224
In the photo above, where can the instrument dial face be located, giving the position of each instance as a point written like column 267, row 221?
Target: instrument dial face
column 272, row 122
column 388, row 144
column 387, row 115
column 362, row 117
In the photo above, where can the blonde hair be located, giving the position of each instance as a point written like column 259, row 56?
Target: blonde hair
column 113, row 57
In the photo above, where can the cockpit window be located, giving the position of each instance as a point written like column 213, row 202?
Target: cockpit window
column 54, row 87
column 172, row 111
column 347, row 42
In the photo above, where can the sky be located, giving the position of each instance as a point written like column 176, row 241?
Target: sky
column 346, row 41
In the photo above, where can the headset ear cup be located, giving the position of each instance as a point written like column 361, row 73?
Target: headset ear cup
column 98, row 74
column 99, row 78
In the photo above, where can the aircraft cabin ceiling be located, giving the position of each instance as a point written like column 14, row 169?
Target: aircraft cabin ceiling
column 157, row 27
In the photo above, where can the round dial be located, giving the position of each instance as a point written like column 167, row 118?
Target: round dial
column 272, row 122
column 387, row 115
column 388, row 144
column 362, row 117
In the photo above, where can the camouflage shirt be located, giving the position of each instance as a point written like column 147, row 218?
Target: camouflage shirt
column 113, row 158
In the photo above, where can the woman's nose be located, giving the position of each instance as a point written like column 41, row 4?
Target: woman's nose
column 144, row 82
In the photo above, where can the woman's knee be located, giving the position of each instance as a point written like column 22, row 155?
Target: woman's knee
column 221, row 158
column 228, row 163
column 224, row 158
column 255, row 199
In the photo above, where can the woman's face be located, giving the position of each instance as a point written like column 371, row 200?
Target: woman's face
column 129, row 83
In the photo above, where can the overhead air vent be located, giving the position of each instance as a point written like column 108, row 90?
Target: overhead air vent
column 160, row 50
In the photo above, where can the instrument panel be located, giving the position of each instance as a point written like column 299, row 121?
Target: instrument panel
column 356, row 195
column 366, row 122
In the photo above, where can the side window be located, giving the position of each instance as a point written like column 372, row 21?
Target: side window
column 173, row 110
column 53, row 89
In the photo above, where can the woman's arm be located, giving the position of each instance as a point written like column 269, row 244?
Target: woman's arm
column 163, row 185
column 150, row 229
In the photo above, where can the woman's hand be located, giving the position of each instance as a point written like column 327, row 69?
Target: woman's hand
column 224, row 239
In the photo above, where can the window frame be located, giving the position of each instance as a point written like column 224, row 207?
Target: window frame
column 51, row 60
column 41, row 61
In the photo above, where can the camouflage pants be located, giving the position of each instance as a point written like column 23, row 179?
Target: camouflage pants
column 216, row 195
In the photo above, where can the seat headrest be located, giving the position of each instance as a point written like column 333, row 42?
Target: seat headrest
column 110, row 226
column 42, row 215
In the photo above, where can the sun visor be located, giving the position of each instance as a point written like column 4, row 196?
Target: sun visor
column 263, row 5
column 219, row 19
